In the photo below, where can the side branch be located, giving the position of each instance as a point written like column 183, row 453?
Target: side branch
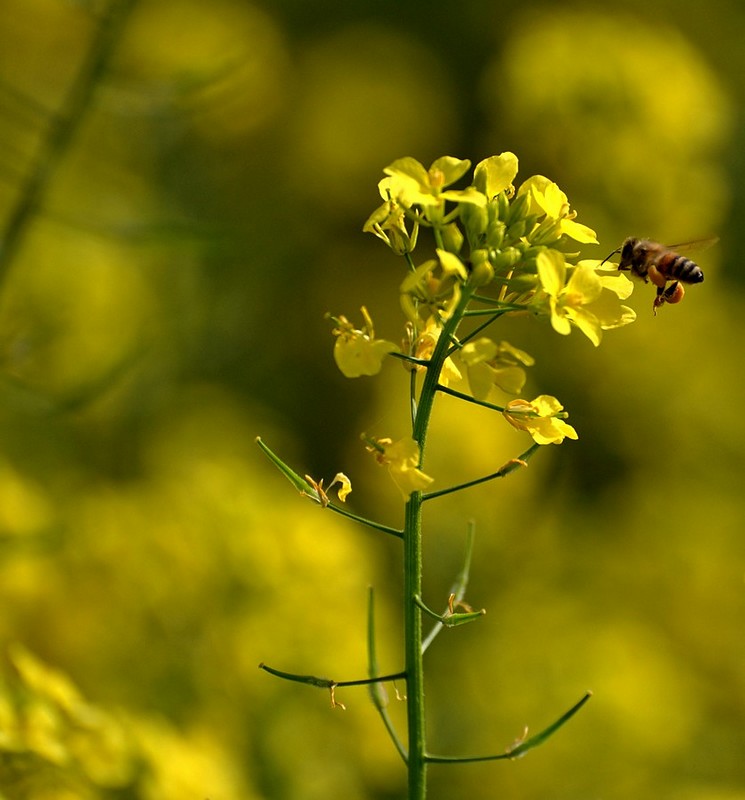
column 493, row 317
column 419, row 362
column 468, row 398
column 521, row 747
column 502, row 472
column 330, row 683
column 378, row 526
column 458, row 589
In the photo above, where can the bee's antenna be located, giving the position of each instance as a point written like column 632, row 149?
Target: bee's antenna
column 610, row 255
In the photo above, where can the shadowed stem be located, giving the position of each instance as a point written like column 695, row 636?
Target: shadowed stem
column 62, row 128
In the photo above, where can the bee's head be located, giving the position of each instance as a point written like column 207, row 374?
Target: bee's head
column 632, row 253
column 628, row 249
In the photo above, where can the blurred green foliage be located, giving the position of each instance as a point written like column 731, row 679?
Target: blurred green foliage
column 163, row 303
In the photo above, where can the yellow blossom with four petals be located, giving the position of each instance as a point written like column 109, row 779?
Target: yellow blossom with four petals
column 542, row 418
column 410, row 184
column 587, row 300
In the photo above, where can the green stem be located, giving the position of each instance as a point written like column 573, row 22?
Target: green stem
column 413, row 567
column 417, row 763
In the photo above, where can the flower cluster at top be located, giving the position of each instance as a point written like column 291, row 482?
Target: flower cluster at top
column 498, row 250
column 522, row 242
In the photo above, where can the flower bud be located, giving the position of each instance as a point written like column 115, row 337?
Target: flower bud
column 482, row 271
column 452, row 238
column 475, row 219
column 503, row 206
column 516, row 230
column 519, row 208
column 495, row 234
column 503, row 260
column 531, row 253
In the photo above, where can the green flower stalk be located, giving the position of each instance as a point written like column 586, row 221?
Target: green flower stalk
column 495, row 251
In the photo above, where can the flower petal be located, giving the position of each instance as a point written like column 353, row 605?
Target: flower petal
column 559, row 321
column 587, row 322
column 482, row 349
column 451, row 264
column 410, row 168
column 510, row 379
column 345, row 486
column 469, row 195
column 579, row 232
column 451, row 169
column 494, row 175
column 409, row 479
column 359, row 355
column 553, row 200
column 551, row 271
column 620, row 285
column 480, row 380
column 584, row 286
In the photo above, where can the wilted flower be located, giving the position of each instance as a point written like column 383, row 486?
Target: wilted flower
column 388, row 222
column 402, row 459
column 358, row 352
column 430, row 290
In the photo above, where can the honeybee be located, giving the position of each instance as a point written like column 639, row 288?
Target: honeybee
column 663, row 265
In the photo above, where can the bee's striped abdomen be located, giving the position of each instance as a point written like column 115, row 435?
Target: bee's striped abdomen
column 673, row 265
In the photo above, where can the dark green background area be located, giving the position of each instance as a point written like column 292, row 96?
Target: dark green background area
column 176, row 222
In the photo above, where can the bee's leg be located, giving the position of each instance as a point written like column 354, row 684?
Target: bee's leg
column 659, row 299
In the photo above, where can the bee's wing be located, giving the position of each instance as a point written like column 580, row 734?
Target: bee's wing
column 695, row 245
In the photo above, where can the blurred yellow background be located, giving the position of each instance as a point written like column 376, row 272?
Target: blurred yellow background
column 182, row 190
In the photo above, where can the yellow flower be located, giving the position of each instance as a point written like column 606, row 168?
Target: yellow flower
column 541, row 418
column 411, row 184
column 547, row 198
column 402, row 459
column 589, row 300
column 358, row 352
